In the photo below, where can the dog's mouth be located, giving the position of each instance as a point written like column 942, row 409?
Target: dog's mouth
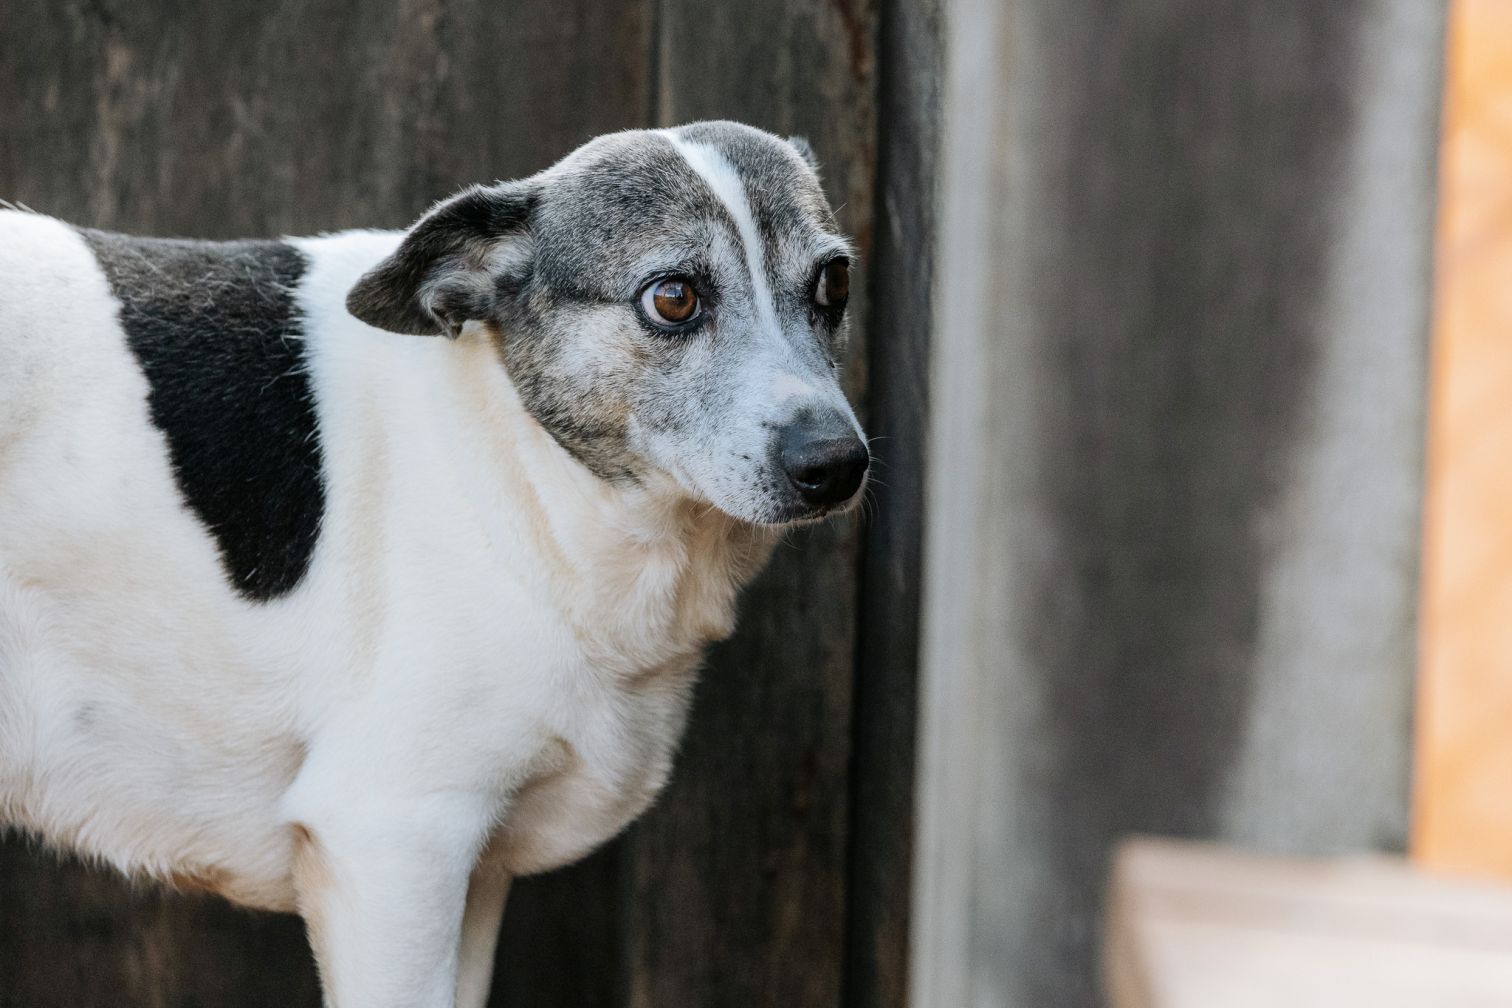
column 797, row 512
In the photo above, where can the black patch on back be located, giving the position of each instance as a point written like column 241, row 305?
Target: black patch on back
column 216, row 331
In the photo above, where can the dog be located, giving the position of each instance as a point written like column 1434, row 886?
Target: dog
column 356, row 575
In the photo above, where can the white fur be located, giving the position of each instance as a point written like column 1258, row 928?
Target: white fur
column 716, row 170
column 483, row 673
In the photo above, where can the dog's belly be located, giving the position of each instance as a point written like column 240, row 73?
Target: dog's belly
column 160, row 812
column 106, row 749
column 139, row 719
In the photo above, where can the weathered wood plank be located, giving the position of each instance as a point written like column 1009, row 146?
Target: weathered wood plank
column 251, row 119
column 563, row 938
column 71, row 936
column 902, row 277
column 736, row 880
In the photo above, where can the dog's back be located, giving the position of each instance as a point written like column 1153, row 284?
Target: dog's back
column 52, row 297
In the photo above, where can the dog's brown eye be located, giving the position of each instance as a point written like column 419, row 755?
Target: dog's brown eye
column 833, row 285
column 671, row 301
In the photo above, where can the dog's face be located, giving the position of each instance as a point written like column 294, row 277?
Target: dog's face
column 669, row 304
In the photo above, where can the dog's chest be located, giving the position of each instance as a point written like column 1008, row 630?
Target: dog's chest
column 583, row 785
column 606, row 727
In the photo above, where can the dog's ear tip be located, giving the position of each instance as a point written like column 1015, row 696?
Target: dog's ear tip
column 359, row 300
column 371, row 302
column 365, row 301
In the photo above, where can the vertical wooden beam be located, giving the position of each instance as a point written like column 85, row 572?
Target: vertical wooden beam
column 886, row 709
column 1172, row 502
column 562, row 943
column 736, row 879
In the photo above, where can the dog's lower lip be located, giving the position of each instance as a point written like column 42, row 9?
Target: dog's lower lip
column 806, row 515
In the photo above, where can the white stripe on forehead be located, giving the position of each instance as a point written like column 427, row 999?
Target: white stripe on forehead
column 715, row 169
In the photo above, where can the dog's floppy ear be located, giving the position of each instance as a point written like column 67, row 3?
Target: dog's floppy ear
column 443, row 273
column 805, row 151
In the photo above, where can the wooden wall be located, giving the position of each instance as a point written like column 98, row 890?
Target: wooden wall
column 775, row 869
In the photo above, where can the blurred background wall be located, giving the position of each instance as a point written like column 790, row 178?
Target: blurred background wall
column 1179, row 357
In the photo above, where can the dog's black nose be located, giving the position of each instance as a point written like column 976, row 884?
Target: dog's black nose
column 824, row 470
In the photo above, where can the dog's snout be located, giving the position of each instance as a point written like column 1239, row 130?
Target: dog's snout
column 823, row 468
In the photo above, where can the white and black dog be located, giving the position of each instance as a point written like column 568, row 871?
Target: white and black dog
column 357, row 574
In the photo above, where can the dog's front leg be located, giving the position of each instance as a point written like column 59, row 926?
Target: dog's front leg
column 382, row 891
column 486, row 895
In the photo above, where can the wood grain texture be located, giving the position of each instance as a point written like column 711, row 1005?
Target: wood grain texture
column 902, row 276
column 737, row 878
column 253, row 119
column 78, row 937
column 562, row 943
column 1462, row 820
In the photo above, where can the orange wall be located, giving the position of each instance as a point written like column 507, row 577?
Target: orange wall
column 1463, row 813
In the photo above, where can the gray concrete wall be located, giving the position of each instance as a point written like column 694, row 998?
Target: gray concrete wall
column 1178, row 369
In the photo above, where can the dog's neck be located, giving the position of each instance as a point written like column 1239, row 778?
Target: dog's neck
column 635, row 563
column 643, row 574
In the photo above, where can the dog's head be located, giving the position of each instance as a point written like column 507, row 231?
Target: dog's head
column 670, row 305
